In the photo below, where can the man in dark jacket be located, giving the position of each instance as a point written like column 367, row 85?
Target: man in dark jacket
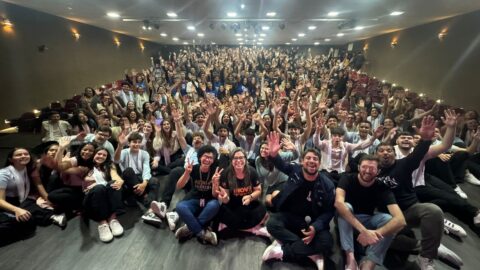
column 308, row 196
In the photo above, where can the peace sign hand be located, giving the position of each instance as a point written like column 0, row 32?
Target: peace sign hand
column 189, row 166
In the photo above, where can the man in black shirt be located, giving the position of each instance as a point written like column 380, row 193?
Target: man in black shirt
column 397, row 174
column 357, row 197
column 307, row 196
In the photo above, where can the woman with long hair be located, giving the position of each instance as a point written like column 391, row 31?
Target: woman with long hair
column 19, row 213
column 167, row 147
column 103, row 197
column 240, row 191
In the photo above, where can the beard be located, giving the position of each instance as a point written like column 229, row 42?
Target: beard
column 305, row 170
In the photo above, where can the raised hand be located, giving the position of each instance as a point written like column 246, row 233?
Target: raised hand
column 189, row 167
column 378, row 131
column 450, row 119
column 122, row 139
column 176, row 115
column 216, row 176
column 63, row 142
column 427, row 130
column 273, row 140
column 288, row 144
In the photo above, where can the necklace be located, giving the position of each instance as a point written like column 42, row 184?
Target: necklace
column 200, row 174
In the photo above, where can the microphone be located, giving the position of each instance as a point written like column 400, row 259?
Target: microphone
column 308, row 220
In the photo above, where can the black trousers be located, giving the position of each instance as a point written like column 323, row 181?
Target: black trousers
column 66, row 199
column 438, row 192
column 131, row 179
column 286, row 228
column 101, row 202
column 473, row 165
column 12, row 230
column 451, row 172
column 242, row 217
column 171, row 185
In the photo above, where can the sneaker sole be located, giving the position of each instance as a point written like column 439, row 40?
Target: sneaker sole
column 266, row 252
column 156, row 209
column 153, row 223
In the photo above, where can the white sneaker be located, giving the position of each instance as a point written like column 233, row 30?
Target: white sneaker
column 59, row 220
column 460, row 192
column 452, row 228
column 470, row 178
column 425, row 263
column 476, row 219
column 273, row 252
column 261, row 231
column 172, row 219
column 150, row 218
column 318, row 260
column 104, row 233
column 159, row 208
column 116, row 227
column 447, row 254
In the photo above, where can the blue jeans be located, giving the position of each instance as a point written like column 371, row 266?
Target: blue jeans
column 374, row 253
column 196, row 217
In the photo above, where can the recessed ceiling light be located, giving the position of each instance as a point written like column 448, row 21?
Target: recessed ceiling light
column 238, row 35
column 301, row 34
column 163, row 34
column 316, row 43
column 113, row 14
column 213, row 43
column 241, row 43
column 359, row 27
column 294, row 39
column 396, row 13
column 263, row 35
column 312, row 27
column 185, row 43
column 175, row 39
column 254, row 35
column 245, row 29
column 239, row 39
column 144, row 27
column 231, row 14
column 200, row 34
column 327, row 40
column 242, row 6
column 332, row 14
column 191, row 27
column 288, row 43
column 271, row 14
column 340, row 34
column 259, row 43
column 172, row 14
column 260, row 39
column 265, row 27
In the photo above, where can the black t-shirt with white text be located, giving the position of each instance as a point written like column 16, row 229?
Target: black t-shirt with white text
column 241, row 189
column 201, row 183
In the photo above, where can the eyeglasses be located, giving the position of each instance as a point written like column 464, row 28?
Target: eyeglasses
column 208, row 157
column 238, row 158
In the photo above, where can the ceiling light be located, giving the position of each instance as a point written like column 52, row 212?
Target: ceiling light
column 260, row 39
column 316, row 43
column 288, row 43
column 172, row 14
column 359, row 27
column 312, row 27
column 396, row 13
column 239, row 39
column 163, row 34
column 241, row 43
column 242, row 6
column 238, row 35
column 144, row 27
column 191, row 27
column 175, row 39
column 245, row 29
column 301, row 34
column 271, row 14
column 294, row 39
column 263, row 35
column 332, row 14
column 265, row 27
column 259, row 43
column 327, row 40
column 231, row 14
column 246, row 35
column 213, row 43
column 200, row 35
column 185, row 43
column 113, row 14
column 340, row 34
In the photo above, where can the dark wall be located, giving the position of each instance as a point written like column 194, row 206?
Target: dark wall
column 32, row 79
column 447, row 69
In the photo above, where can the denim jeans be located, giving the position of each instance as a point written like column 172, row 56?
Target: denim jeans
column 374, row 253
column 195, row 216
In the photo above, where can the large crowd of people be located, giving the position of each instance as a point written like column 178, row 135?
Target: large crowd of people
column 275, row 142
